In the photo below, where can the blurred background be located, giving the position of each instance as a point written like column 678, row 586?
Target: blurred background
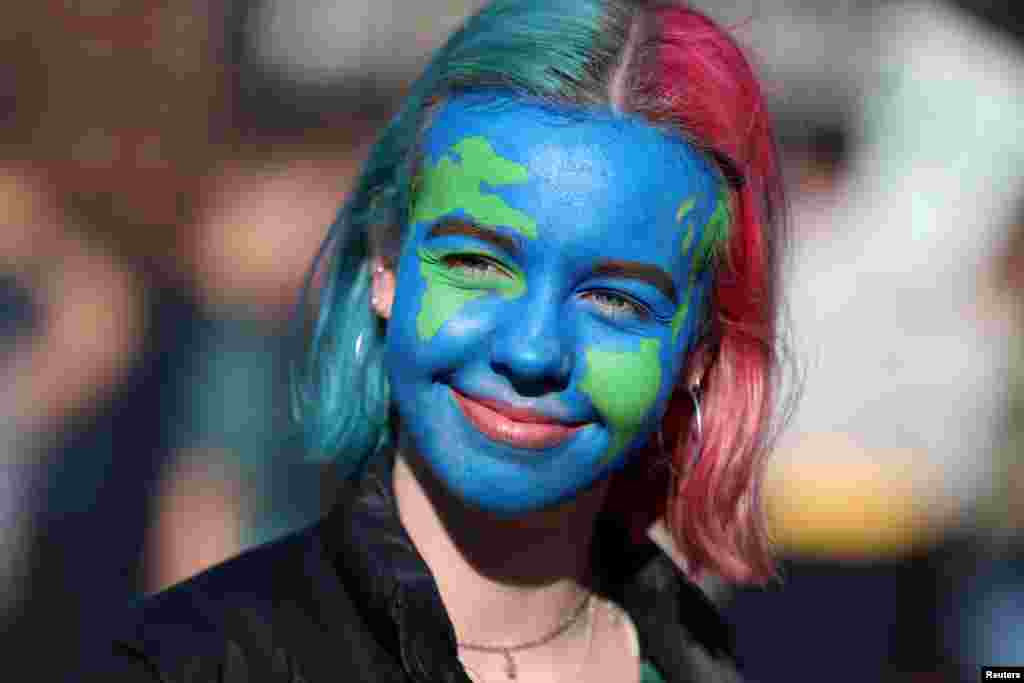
column 169, row 168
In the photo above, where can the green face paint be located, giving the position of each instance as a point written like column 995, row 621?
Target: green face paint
column 685, row 208
column 623, row 387
column 451, row 286
column 680, row 317
column 449, row 186
column 715, row 233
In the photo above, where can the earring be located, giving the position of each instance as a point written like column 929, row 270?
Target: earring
column 696, row 439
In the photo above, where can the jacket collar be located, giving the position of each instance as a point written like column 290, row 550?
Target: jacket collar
column 399, row 599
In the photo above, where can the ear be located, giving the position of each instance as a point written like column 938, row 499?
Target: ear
column 382, row 290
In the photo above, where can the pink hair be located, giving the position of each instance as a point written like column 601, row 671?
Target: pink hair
column 691, row 75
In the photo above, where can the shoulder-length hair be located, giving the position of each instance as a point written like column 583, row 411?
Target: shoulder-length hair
column 676, row 68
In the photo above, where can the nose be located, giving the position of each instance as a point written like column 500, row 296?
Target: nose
column 533, row 350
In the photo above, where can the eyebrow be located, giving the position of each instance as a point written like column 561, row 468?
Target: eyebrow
column 480, row 232
column 653, row 275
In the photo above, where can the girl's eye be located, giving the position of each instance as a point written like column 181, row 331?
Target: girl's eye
column 474, row 267
column 616, row 306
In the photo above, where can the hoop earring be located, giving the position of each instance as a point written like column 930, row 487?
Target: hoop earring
column 697, row 439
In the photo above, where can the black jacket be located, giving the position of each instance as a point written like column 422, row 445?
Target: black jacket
column 350, row 599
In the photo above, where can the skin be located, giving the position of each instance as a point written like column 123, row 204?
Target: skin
column 587, row 317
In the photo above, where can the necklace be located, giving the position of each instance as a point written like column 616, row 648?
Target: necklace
column 506, row 651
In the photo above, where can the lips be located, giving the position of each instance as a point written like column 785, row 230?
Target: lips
column 516, row 427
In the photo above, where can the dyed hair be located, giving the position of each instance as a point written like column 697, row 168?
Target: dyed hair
column 677, row 69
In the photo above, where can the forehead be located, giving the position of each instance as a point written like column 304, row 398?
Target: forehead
column 592, row 175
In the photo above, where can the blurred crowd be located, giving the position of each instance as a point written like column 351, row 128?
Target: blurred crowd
column 170, row 169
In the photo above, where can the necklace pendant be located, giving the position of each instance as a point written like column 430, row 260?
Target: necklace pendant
column 510, row 665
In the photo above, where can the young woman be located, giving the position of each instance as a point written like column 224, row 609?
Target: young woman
column 546, row 334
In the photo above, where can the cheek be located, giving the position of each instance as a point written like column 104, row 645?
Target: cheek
column 624, row 388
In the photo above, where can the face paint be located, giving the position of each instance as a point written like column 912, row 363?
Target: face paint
column 455, row 185
column 452, row 282
column 690, row 233
column 544, row 299
column 623, row 387
column 685, row 208
column 716, row 232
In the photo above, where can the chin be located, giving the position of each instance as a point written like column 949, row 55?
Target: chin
column 509, row 483
column 496, row 477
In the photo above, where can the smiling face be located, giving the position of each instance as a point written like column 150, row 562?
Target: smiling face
column 547, row 293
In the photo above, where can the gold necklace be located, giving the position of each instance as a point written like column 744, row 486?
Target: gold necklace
column 506, row 651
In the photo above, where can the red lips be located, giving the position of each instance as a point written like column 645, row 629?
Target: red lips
column 516, row 427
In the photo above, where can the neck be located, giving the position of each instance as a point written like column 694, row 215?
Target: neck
column 503, row 581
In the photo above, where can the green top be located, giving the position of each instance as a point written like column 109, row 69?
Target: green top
column 648, row 674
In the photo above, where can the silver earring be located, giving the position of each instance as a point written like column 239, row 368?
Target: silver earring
column 696, row 439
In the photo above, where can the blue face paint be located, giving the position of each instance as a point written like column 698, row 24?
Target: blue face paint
column 529, row 359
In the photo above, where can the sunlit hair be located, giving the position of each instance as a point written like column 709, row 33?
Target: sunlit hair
column 680, row 71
